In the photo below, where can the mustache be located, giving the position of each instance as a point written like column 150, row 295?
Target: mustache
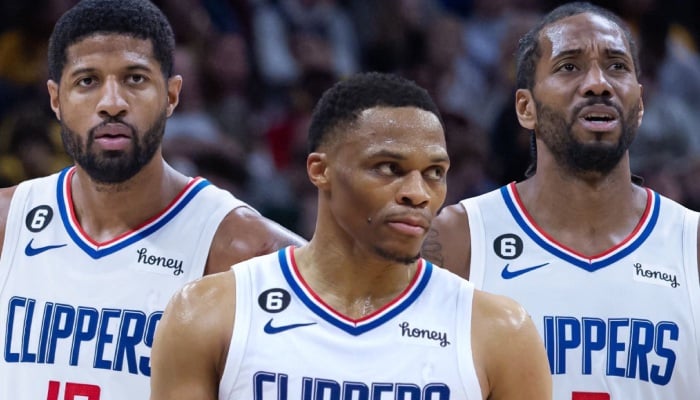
column 593, row 100
column 111, row 120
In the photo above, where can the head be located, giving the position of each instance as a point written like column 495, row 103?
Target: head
column 578, row 88
column 111, row 85
column 379, row 160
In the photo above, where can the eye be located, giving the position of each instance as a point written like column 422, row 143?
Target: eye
column 136, row 79
column 620, row 66
column 87, row 81
column 388, row 169
column 567, row 67
column 435, row 173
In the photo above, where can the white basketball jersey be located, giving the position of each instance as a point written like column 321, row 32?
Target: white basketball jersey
column 622, row 325
column 77, row 317
column 288, row 344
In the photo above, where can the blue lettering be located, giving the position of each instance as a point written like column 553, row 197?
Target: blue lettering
column 550, row 338
column 265, row 383
column 85, row 330
column 566, row 341
column 641, row 344
column 615, row 346
column 27, row 356
column 104, row 337
column 11, row 307
column 356, row 391
column 61, row 328
column 630, row 346
column 126, row 345
column 327, row 389
column 664, row 328
column 593, row 340
column 45, row 323
column 405, row 391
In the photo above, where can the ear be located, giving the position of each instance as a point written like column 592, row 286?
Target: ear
column 53, row 98
column 525, row 109
column 641, row 106
column 317, row 169
column 174, row 87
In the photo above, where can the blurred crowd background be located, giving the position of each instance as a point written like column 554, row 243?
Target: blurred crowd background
column 253, row 70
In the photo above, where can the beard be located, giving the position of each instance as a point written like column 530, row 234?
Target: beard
column 111, row 167
column 556, row 133
column 395, row 257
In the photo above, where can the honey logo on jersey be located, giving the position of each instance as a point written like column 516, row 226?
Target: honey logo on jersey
column 655, row 275
column 429, row 335
column 160, row 264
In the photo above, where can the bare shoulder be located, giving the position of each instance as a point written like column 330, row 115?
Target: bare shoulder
column 448, row 242
column 192, row 340
column 244, row 234
column 508, row 350
column 5, row 199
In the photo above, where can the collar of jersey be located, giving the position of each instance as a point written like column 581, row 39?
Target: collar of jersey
column 100, row 249
column 349, row 325
column 590, row 263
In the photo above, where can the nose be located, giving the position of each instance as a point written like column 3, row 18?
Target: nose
column 413, row 191
column 596, row 83
column 112, row 102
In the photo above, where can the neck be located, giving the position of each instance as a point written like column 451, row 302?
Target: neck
column 354, row 281
column 105, row 211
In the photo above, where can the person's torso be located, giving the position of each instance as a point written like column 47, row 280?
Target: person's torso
column 624, row 324
column 287, row 343
column 78, row 317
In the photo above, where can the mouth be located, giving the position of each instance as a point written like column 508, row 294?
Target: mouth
column 112, row 131
column 599, row 118
column 410, row 226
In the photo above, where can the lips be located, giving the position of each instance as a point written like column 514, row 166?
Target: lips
column 112, row 130
column 599, row 117
column 410, row 225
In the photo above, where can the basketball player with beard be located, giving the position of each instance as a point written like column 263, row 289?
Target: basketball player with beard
column 91, row 255
column 607, row 268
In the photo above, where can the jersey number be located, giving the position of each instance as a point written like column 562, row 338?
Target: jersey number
column 73, row 390
column 589, row 396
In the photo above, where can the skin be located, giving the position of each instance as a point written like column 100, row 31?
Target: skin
column 108, row 76
column 583, row 56
column 380, row 184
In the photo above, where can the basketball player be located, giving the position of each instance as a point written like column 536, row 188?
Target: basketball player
column 91, row 255
column 606, row 267
column 355, row 314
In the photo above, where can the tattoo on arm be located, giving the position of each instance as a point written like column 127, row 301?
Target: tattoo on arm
column 432, row 248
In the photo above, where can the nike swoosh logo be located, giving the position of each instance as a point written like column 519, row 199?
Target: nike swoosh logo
column 269, row 329
column 508, row 274
column 32, row 251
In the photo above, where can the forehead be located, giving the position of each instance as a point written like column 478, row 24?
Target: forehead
column 403, row 129
column 584, row 32
column 99, row 49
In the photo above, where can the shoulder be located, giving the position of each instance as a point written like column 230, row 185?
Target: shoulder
column 193, row 336
column 244, row 234
column 508, row 349
column 5, row 199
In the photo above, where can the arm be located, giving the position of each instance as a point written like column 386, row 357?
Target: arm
column 5, row 198
column 448, row 243
column 192, row 339
column 244, row 234
column 508, row 350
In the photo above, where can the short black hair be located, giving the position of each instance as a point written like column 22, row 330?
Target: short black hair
column 344, row 101
column 529, row 51
column 137, row 18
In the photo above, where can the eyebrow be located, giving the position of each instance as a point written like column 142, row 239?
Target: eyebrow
column 614, row 52
column 400, row 156
column 130, row 68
